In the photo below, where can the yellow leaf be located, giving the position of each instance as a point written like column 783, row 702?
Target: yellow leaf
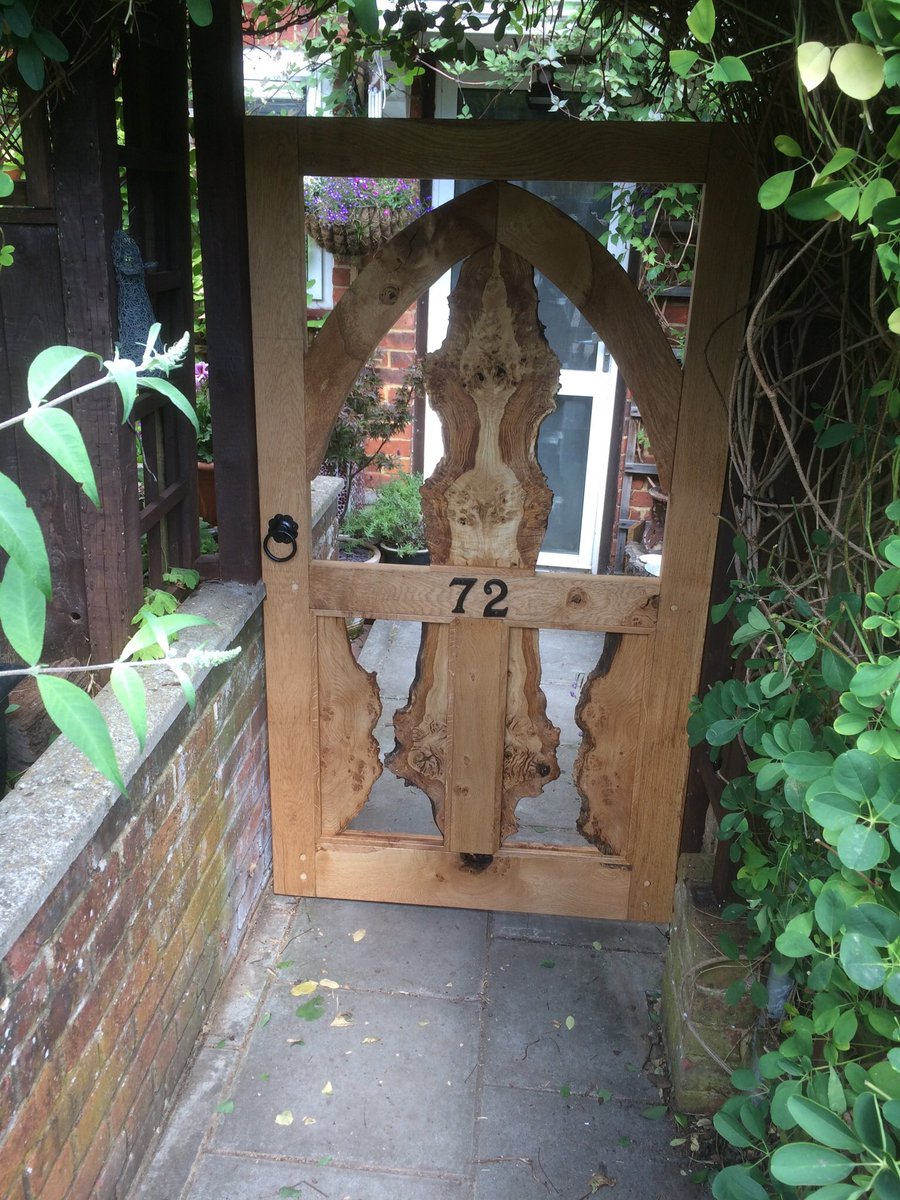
column 424, row 1022
column 858, row 70
column 894, row 321
column 309, row 1120
column 359, row 935
column 328, row 1090
column 328, row 983
column 304, row 988
column 813, row 60
column 284, row 1118
column 340, row 1022
column 370, row 1041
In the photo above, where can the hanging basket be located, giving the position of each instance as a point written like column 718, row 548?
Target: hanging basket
column 364, row 231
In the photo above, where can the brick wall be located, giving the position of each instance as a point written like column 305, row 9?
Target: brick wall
column 396, row 354
column 106, row 987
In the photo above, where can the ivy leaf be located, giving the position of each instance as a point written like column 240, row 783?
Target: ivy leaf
column 775, row 190
column 858, row 70
column 200, row 12
column 30, row 63
column 56, row 432
column 365, row 13
column 701, row 21
column 172, row 393
column 788, row 146
column 822, row 1124
column 129, row 690
column 810, row 1165
column 23, row 613
column 21, row 537
column 730, row 70
column 813, row 61
column 77, row 716
column 50, row 366
column 682, row 61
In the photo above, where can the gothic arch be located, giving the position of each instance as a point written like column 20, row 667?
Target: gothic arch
column 557, row 246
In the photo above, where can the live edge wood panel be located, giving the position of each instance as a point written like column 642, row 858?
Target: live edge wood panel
column 629, row 871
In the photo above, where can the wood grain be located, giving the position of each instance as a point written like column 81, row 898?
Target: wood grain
column 531, row 739
column 477, row 660
column 547, row 879
column 610, row 715
column 422, row 726
column 622, row 604
column 278, row 304
column 650, row 152
column 727, row 234
column 349, row 708
column 418, row 255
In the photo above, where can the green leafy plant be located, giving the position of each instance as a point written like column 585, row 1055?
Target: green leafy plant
column 158, row 602
column 367, row 422
column 25, row 587
column 394, row 519
column 815, row 827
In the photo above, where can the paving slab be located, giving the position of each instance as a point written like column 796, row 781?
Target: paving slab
column 575, row 1143
column 635, row 937
column 568, row 1017
column 232, row 1177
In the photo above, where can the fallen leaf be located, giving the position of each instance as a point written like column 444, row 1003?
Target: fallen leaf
column 625, row 1141
column 597, row 945
column 304, row 988
column 548, row 963
column 265, row 1077
column 328, row 983
column 604, row 1095
column 565, row 1091
column 288, row 1192
column 312, row 1009
column 654, row 1112
column 370, row 1041
column 284, row 964
column 309, row 1120
column 266, row 1018
column 359, row 935
column 423, row 1023
column 295, row 1041
column 325, row 1160
column 328, row 1090
column 222, row 1043
column 227, row 1106
column 284, row 1118
column 341, row 1021
column 570, row 1022
column 599, row 1181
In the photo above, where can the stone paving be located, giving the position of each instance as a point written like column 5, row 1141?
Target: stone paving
column 463, row 1055
column 458, row 1056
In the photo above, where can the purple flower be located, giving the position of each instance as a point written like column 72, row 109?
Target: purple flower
column 201, row 375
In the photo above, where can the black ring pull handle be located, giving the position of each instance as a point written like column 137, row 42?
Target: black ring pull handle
column 283, row 530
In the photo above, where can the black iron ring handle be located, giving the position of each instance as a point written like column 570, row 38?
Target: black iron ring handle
column 283, row 529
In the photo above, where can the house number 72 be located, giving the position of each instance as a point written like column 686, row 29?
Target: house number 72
column 491, row 585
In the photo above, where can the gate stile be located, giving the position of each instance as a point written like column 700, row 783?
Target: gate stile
column 474, row 735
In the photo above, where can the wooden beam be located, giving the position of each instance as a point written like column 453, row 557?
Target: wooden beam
column 615, row 603
column 727, row 235
column 547, row 879
column 217, row 84
column 278, row 300
column 477, row 667
column 633, row 152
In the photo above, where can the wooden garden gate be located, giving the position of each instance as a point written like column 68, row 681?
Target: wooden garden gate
column 474, row 735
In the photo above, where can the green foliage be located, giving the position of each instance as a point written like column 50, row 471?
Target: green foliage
column 25, row 586
column 815, row 827
column 395, row 518
column 367, row 422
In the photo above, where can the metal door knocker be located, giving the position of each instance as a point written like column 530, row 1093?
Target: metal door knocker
column 282, row 529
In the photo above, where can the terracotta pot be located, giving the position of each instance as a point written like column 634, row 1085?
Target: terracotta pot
column 206, row 491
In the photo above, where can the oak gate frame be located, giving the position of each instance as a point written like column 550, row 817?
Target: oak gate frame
column 662, row 620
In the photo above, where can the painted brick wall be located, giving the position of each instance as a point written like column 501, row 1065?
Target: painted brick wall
column 104, row 993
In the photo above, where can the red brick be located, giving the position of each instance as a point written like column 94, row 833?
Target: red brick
column 41, row 1161
column 89, row 1168
column 77, row 1086
column 31, row 1124
column 21, row 955
column 96, row 1109
column 27, row 1007
column 113, row 1170
column 58, row 1181
column 164, row 965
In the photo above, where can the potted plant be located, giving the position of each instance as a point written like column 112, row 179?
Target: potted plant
column 352, row 216
column 394, row 521
column 206, row 479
